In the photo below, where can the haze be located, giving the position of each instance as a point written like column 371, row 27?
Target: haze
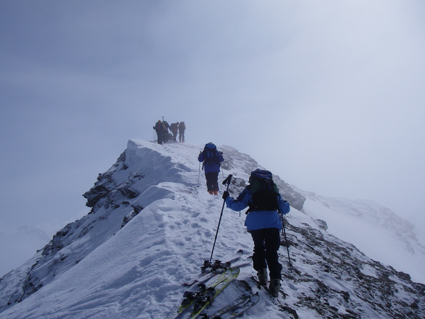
column 329, row 95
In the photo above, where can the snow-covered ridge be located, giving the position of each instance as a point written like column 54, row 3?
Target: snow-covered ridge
column 368, row 211
column 138, row 178
column 373, row 228
column 151, row 225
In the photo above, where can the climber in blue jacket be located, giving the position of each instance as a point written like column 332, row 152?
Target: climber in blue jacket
column 263, row 223
column 211, row 159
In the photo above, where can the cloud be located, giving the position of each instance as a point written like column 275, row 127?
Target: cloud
column 328, row 95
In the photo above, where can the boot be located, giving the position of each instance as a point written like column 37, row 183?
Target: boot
column 215, row 192
column 262, row 276
column 211, row 192
column 274, row 287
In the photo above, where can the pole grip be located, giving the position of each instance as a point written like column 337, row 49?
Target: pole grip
column 228, row 180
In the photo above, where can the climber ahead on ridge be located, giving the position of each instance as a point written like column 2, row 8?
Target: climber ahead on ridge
column 263, row 223
column 182, row 128
column 211, row 159
column 158, row 127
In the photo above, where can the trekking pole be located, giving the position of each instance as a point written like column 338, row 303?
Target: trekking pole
column 199, row 172
column 226, row 181
column 286, row 239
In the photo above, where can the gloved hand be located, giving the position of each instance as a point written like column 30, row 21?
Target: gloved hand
column 225, row 195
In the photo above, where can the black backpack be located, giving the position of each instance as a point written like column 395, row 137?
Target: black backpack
column 210, row 154
column 264, row 192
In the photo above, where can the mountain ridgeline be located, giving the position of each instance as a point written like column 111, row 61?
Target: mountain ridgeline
column 151, row 225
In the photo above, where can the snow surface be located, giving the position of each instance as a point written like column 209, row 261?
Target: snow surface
column 374, row 229
column 138, row 271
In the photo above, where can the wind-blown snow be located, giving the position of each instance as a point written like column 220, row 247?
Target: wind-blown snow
column 374, row 229
column 151, row 226
column 155, row 252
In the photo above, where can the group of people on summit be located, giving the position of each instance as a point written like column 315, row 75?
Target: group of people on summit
column 264, row 219
column 166, row 132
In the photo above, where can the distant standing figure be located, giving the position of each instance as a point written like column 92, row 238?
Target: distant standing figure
column 182, row 128
column 211, row 159
column 158, row 128
column 174, row 129
column 165, row 127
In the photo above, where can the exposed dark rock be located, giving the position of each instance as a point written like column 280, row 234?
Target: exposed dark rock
column 96, row 193
column 329, row 277
column 131, row 215
column 322, row 224
column 352, row 285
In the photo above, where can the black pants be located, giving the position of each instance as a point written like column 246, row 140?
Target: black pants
column 159, row 139
column 266, row 245
column 212, row 181
column 164, row 136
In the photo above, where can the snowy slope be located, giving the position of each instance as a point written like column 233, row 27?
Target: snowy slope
column 374, row 229
column 152, row 224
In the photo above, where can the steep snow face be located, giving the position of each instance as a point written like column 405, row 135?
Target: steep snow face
column 374, row 229
column 152, row 224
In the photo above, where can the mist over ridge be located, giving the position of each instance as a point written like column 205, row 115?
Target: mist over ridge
column 152, row 223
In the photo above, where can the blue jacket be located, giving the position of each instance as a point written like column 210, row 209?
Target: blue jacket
column 258, row 219
column 209, row 168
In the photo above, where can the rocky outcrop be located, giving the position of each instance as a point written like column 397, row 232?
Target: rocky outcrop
column 235, row 159
column 323, row 276
column 344, row 283
column 107, row 188
column 54, row 259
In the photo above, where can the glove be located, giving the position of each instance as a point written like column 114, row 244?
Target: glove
column 225, row 195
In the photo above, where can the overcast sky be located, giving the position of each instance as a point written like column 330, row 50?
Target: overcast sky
column 329, row 95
